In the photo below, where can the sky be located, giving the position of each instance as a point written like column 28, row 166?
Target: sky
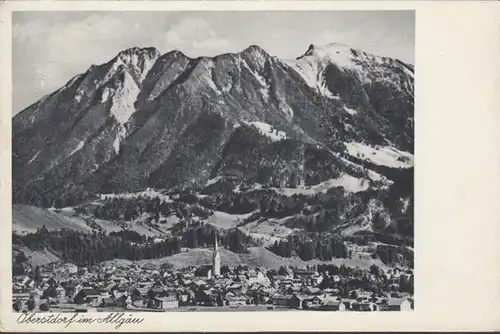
column 49, row 48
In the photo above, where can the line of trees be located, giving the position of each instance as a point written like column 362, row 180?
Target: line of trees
column 311, row 246
column 90, row 249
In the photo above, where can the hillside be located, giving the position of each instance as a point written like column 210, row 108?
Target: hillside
column 27, row 218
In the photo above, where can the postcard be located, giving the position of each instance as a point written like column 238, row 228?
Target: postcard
column 242, row 166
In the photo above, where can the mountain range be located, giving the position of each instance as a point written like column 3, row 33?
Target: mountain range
column 149, row 120
column 333, row 119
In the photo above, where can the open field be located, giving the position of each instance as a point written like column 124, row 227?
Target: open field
column 257, row 257
column 26, row 218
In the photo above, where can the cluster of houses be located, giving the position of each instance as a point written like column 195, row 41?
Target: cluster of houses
column 107, row 287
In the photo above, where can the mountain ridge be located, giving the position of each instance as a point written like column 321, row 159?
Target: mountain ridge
column 139, row 120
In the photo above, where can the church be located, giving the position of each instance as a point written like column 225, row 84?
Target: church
column 211, row 271
column 216, row 259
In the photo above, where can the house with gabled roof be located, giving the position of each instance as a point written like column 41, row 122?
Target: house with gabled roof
column 140, row 292
column 163, row 302
column 333, row 304
column 282, row 300
column 157, row 291
column 60, row 292
column 88, row 295
column 397, row 304
column 108, row 302
column 364, row 306
column 236, row 301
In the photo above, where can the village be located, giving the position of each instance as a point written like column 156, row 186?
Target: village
column 108, row 287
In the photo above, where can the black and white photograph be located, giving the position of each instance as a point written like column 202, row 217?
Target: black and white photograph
column 213, row 161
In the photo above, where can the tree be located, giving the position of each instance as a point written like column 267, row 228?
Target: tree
column 282, row 271
column 44, row 307
column 325, row 283
column 410, row 285
column 293, row 181
column 379, row 223
column 220, row 301
column 225, row 270
column 271, row 273
column 42, row 201
column 404, row 285
column 272, row 205
column 50, row 292
column 17, row 306
column 37, row 275
column 374, row 270
column 31, row 304
column 58, row 203
column 308, row 180
column 79, row 299
column 195, row 239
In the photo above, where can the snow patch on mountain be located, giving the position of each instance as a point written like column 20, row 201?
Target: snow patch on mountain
column 268, row 130
column 350, row 184
column 264, row 89
column 115, row 66
column 381, row 155
column 350, row 111
column 106, row 93
column 228, row 87
column 285, row 107
column 336, row 53
column 323, row 90
column 122, row 106
column 122, row 133
column 213, row 181
column 124, row 98
column 148, row 193
column 78, row 147
column 34, row 157
column 203, row 75
column 308, row 71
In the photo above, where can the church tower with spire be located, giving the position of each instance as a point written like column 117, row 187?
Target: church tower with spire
column 216, row 259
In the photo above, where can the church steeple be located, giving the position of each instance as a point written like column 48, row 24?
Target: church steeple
column 216, row 259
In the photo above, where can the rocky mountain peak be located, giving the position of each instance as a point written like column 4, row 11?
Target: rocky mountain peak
column 256, row 50
column 138, row 61
column 255, row 54
column 174, row 54
column 135, row 54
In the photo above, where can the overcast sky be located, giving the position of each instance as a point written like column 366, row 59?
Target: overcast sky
column 51, row 47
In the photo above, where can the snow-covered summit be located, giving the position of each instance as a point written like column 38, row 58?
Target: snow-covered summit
column 337, row 53
column 312, row 66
